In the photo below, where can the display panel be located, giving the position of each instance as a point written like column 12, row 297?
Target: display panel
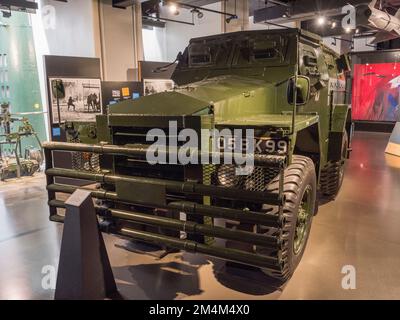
column 393, row 146
column 115, row 91
column 82, row 100
column 376, row 92
column 152, row 86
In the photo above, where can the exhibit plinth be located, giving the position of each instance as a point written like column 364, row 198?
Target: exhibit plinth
column 84, row 268
column 393, row 146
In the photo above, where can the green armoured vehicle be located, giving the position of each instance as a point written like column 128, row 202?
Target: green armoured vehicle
column 286, row 86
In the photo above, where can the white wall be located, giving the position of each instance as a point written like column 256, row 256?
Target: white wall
column 118, row 42
column 360, row 44
column 163, row 44
column 363, row 44
column 332, row 44
column 73, row 29
column 155, row 44
column 265, row 26
column 178, row 35
column 64, row 29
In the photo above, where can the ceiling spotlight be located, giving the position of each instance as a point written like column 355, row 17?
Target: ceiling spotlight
column 199, row 13
column 321, row 20
column 286, row 14
column 334, row 24
column 173, row 9
column 230, row 18
column 357, row 31
column 6, row 14
column 348, row 30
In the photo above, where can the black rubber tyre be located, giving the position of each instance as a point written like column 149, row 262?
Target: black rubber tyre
column 333, row 173
column 300, row 186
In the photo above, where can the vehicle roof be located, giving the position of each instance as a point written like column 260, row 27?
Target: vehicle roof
column 283, row 31
column 304, row 34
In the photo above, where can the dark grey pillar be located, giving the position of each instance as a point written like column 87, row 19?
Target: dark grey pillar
column 84, row 270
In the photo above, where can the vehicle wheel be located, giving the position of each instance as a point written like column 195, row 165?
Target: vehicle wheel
column 300, row 185
column 333, row 173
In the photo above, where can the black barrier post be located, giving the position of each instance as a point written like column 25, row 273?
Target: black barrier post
column 84, row 269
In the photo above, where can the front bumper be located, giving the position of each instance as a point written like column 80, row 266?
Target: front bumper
column 128, row 201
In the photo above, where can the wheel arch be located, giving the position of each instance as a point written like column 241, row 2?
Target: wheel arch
column 341, row 123
column 308, row 143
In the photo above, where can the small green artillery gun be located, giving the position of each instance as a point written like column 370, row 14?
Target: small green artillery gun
column 15, row 162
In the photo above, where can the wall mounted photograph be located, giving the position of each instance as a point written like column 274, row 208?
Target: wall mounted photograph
column 152, row 86
column 82, row 100
column 376, row 92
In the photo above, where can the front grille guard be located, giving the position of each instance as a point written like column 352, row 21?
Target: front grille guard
column 154, row 193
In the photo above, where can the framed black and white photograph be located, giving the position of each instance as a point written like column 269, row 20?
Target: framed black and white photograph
column 152, row 86
column 82, row 100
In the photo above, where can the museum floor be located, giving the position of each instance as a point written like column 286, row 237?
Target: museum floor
column 361, row 228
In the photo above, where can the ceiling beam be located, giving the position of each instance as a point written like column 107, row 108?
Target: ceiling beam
column 302, row 10
column 19, row 5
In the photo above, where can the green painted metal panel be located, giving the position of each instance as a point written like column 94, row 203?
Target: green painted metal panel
column 339, row 117
column 273, row 120
column 162, row 104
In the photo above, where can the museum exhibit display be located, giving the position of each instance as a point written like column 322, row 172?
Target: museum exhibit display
column 293, row 132
column 81, row 100
column 116, row 91
column 393, row 146
column 16, row 161
column 379, row 100
column 153, row 86
column 375, row 92
column 22, row 125
column 375, row 89
column 200, row 158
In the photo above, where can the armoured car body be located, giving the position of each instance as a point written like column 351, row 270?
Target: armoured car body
column 288, row 88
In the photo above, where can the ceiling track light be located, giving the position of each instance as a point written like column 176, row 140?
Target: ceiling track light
column 6, row 14
column 173, row 8
column 161, row 19
column 198, row 12
column 286, row 14
column 198, row 9
column 229, row 19
column 321, row 20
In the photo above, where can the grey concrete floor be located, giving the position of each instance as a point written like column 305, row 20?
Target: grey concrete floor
column 361, row 228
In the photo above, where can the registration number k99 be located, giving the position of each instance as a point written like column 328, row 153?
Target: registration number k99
column 271, row 146
column 261, row 146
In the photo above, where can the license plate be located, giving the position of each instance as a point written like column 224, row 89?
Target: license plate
column 271, row 146
column 261, row 146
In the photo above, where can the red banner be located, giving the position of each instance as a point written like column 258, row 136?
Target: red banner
column 376, row 92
